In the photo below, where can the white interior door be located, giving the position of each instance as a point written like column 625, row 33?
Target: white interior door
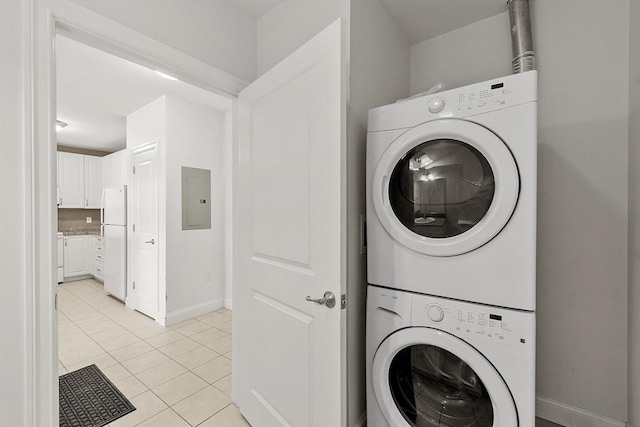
column 145, row 230
column 288, row 352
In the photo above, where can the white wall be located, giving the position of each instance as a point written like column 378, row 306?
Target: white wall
column 289, row 25
column 634, row 215
column 477, row 52
column 211, row 31
column 187, row 135
column 14, row 230
column 583, row 59
column 379, row 69
column 193, row 139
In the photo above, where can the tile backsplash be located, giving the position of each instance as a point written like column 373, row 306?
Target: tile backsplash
column 75, row 218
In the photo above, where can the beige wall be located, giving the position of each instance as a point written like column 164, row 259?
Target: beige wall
column 583, row 60
column 634, row 215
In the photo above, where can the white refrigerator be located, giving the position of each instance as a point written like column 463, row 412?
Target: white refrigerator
column 113, row 214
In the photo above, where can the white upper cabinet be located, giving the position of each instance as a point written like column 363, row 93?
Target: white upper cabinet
column 114, row 169
column 79, row 181
column 92, row 182
column 71, row 180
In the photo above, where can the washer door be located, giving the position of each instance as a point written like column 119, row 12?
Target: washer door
column 424, row 377
column 445, row 187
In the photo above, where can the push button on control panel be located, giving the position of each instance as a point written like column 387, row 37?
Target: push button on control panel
column 436, row 105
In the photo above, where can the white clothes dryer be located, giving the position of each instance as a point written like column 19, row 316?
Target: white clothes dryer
column 451, row 193
column 442, row 362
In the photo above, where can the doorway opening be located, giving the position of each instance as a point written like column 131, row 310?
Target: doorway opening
column 116, row 112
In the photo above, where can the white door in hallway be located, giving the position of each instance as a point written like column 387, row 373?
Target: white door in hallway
column 289, row 352
column 145, row 230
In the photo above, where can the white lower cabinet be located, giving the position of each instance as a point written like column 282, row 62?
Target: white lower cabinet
column 83, row 254
column 75, row 256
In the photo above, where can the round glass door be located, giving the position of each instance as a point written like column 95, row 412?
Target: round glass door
column 424, row 377
column 445, row 187
column 441, row 188
column 433, row 387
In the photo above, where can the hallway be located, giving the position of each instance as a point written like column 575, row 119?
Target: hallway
column 175, row 376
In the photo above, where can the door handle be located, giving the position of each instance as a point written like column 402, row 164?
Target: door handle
column 329, row 299
column 152, row 241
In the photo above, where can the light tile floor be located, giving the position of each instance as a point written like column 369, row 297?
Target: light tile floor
column 175, row 376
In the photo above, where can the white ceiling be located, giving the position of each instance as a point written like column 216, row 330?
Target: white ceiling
column 424, row 19
column 96, row 91
column 256, row 8
column 419, row 19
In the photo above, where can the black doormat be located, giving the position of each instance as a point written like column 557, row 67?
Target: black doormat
column 89, row 399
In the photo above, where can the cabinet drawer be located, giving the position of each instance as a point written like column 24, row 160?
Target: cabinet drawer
column 99, row 269
column 99, row 257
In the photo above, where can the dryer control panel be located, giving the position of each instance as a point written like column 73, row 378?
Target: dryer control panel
column 474, row 322
column 466, row 101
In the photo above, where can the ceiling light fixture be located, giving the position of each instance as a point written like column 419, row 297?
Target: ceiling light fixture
column 166, row 76
column 60, row 125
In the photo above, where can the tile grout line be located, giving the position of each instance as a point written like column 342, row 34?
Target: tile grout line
column 87, row 294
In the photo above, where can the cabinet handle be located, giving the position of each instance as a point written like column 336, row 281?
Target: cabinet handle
column 86, row 203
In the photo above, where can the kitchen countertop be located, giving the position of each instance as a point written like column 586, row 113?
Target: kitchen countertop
column 79, row 231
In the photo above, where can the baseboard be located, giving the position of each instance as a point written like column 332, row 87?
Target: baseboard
column 572, row 416
column 228, row 303
column 191, row 312
column 77, row 278
column 362, row 421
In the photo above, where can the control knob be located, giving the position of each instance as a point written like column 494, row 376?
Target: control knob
column 435, row 313
column 436, row 105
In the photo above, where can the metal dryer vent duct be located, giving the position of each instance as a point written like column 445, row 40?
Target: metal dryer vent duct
column 524, row 59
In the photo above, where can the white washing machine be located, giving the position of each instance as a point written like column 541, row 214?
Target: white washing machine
column 451, row 193
column 442, row 362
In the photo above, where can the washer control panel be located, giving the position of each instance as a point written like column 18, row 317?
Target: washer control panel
column 472, row 321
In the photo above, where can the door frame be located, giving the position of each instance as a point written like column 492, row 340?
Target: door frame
column 45, row 20
column 132, row 295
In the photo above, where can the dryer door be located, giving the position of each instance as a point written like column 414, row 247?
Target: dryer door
column 426, row 377
column 445, row 187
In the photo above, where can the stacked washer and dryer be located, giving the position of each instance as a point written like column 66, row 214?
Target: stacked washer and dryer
column 451, row 228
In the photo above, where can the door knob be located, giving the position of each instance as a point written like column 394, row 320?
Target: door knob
column 329, row 299
column 152, row 241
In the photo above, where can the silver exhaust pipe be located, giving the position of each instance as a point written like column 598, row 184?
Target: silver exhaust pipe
column 524, row 59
